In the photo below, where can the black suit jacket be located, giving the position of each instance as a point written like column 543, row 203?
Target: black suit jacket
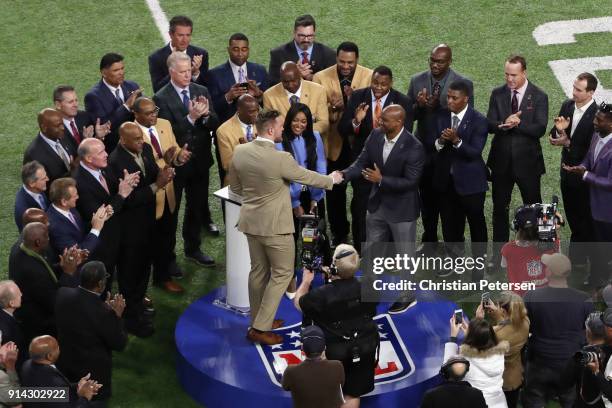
column 40, row 151
column 459, row 394
column 39, row 290
column 580, row 141
column 23, row 201
column 101, row 103
column 11, row 331
column 321, row 58
column 158, row 67
column 43, row 375
column 88, row 332
column 345, row 126
column 91, row 196
column 518, row 150
column 82, row 119
column 137, row 216
column 398, row 193
column 198, row 135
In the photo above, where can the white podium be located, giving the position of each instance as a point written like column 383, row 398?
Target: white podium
column 237, row 259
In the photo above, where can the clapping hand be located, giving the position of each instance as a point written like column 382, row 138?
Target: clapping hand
column 196, row 63
column 336, row 102
column 99, row 130
column 450, row 135
column 69, row 260
column 361, row 111
column 128, row 183
column 117, row 303
column 561, row 123
column 87, row 388
column 305, row 71
column 198, row 108
column 511, row 121
column 99, row 218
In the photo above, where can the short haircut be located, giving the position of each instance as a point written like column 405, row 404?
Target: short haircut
column 6, row 294
column 59, row 189
column 28, row 172
column 138, row 102
column 383, row 70
column 110, row 59
column 348, row 46
column 264, row 120
column 238, row 37
column 175, row 57
column 461, row 86
column 58, row 92
column 180, row 21
column 92, row 273
column 305, row 21
column 517, row 59
column 590, row 80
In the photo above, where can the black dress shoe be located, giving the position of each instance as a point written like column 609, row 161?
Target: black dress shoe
column 201, row 259
column 402, row 304
column 212, row 229
column 139, row 328
column 175, row 271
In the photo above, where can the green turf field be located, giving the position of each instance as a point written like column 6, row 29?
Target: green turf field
column 50, row 43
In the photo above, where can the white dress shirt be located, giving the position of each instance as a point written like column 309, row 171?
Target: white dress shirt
column 297, row 93
column 460, row 115
column 520, row 93
column 578, row 113
column 36, row 196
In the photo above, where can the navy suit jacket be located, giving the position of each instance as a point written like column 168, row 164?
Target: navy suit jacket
column 64, row 234
column 158, row 67
column 23, row 201
column 221, row 79
column 469, row 170
column 397, row 196
column 101, row 103
column 321, row 58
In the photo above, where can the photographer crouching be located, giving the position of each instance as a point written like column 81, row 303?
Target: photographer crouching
column 350, row 332
column 590, row 368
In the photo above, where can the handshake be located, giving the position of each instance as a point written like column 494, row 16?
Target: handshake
column 337, row 176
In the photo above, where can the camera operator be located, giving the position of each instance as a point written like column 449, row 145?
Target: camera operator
column 580, row 369
column 351, row 334
column 454, row 391
column 522, row 257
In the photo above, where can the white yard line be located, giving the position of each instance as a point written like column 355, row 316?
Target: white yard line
column 161, row 21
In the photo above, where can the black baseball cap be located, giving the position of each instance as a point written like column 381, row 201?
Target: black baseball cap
column 313, row 340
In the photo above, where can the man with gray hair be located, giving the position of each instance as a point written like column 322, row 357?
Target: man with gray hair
column 187, row 106
column 10, row 300
column 32, row 192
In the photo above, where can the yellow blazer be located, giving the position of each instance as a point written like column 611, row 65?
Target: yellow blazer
column 261, row 175
column 312, row 95
column 167, row 140
column 228, row 137
column 328, row 78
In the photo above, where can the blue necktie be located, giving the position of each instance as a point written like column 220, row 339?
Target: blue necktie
column 41, row 200
column 249, row 133
column 185, row 99
column 293, row 100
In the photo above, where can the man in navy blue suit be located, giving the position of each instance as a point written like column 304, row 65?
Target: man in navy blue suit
column 66, row 228
column 460, row 175
column 31, row 194
column 112, row 98
column 181, row 28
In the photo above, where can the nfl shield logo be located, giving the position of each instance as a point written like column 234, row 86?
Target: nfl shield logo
column 394, row 363
column 534, row 268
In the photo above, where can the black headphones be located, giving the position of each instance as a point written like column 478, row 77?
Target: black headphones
column 445, row 369
column 333, row 269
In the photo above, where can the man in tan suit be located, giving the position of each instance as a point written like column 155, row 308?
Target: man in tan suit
column 158, row 134
column 261, row 175
column 239, row 129
column 339, row 81
column 293, row 89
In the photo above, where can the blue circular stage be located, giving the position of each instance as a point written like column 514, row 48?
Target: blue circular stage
column 218, row 367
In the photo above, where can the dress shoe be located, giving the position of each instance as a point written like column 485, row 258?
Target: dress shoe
column 401, row 305
column 267, row 338
column 175, row 271
column 171, row 287
column 147, row 302
column 277, row 323
column 212, row 229
column 201, row 259
column 139, row 328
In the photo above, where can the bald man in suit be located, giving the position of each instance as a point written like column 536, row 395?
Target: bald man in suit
column 293, row 89
column 261, row 175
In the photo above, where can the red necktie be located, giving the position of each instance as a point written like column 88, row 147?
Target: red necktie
column 75, row 132
column 103, row 182
column 305, row 58
column 155, row 143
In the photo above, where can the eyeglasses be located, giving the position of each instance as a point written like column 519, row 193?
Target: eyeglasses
column 153, row 112
column 306, row 36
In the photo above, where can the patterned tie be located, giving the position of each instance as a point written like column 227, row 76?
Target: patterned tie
column 155, row 143
column 455, row 124
column 377, row 113
column 185, row 98
column 75, row 132
column 62, row 154
column 294, row 99
column 435, row 92
column 514, row 101
column 249, row 133
column 103, row 182
column 305, row 58
column 241, row 75
column 118, row 96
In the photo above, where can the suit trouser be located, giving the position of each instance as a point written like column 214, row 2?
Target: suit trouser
column 577, row 207
column 133, row 276
column 164, row 241
column 195, row 185
column 430, row 209
column 542, row 384
column 359, row 209
column 502, row 186
column 336, row 198
column 272, row 260
column 602, row 255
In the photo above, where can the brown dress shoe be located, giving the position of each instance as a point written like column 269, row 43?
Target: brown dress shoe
column 267, row 338
column 172, row 287
column 277, row 323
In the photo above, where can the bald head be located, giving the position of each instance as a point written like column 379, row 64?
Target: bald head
column 50, row 123
column 130, row 137
column 392, row 120
column 10, row 295
column 36, row 236
column 247, row 108
column 44, row 349
column 290, row 76
column 88, row 145
column 35, row 215
column 440, row 60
